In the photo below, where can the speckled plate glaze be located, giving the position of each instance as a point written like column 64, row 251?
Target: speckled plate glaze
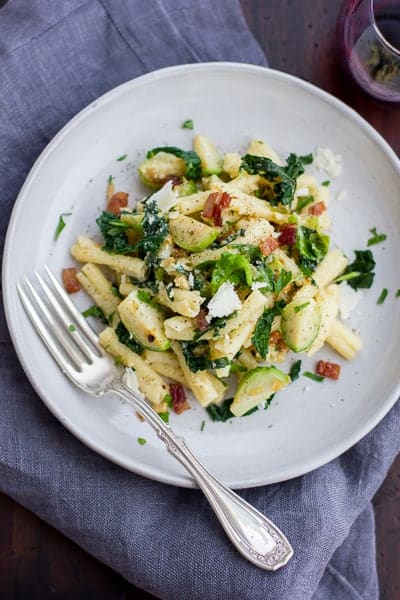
column 309, row 423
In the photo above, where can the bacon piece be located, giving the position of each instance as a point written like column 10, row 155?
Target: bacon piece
column 317, row 209
column 70, row 281
column 288, row 235
column 276, row 338
column 213, row 206
column 116, row 202
column 179, row 402
column 201, row 320
column 176, row 180
column 328, row 369
column 268, row 245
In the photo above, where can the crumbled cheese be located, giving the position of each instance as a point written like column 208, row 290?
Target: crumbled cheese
column 303, row 191
column 173, row 214
column 225, row 301
column 341, row 195
column 130, row 379
column 349, row 299
column 181, row 282
column 275, row 234
column 257, row 285
column 191, row 280
column 328, row 162
column 165, row 197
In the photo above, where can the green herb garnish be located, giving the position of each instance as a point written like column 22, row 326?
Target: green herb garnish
column 61, row 225
column 312, row 248
column 188, row 124
column 123, row 157
column 197, row 357
column 260, row 338
column 222, row 411
column 313, row 376
column 203, row 424
column 294, row 372
column 113, row 230
column 300, row 307
column 192, row 160
column 231, row 267
column 164, row 416
column 376, row 238
column 126, row 338
column 282, row 179
column 359, row 274
column 109, row 180
column 382, row 296
column 97, row 313
column 303, row 201
column 71, row 328
column 141, row 441
column 326, row 183
column 145, row 296
column 397, row 294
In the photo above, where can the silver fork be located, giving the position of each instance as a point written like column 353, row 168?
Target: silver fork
column 75, row 347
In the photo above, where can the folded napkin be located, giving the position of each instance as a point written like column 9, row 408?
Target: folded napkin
column 55, row 58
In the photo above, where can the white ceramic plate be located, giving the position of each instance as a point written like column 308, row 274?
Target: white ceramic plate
column 307, row 424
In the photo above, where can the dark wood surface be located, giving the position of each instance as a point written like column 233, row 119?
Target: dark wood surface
column 37, row 562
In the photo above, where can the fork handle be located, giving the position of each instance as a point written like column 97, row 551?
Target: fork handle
column 254, row 536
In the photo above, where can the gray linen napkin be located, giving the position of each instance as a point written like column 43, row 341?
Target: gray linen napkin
column 56, row 57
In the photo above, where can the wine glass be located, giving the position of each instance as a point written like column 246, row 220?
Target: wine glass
column 371, row 31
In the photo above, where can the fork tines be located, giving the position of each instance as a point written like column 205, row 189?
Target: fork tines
column 61, row 326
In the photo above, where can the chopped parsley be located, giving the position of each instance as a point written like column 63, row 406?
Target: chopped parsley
column 97, row 313
column 313, row 376
column 300, row 307
column 123, row 157
column 294, row 372
column 164, row 416
column 71, row 328
column 188, row 124
column 145, row 296
column 115, row 291
column 303, row 201
column 326, row 183
column 376, row 238
column 397, row 294
column 109, row 180
column 382, row 296
column 141, row 441
column 61, row 225
column 203, row 424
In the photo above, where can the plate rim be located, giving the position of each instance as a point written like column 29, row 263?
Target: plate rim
column 149, row 471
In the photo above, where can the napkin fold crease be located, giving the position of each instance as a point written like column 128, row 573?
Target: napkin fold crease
column 55, row 58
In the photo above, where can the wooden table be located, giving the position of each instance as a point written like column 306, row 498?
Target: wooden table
column 299, row 37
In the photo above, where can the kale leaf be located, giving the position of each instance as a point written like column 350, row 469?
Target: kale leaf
column 125, row 338
column 97, row 313
column 231, row 267
column 283, row 179
column 222, row 411
column 260, row 338
column 359, row 274
column 312, row 248
column 191, row 158
column 295, row 369
column 197, row 357
column 155, row 230
column 114, row 233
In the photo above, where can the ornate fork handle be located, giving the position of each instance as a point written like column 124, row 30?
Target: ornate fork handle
column 255, row 536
